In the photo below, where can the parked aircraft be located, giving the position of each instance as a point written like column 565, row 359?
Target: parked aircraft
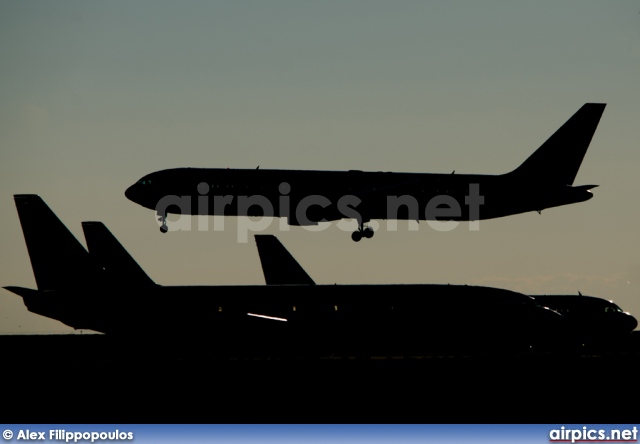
column 90, row 290
column 306, row 198
column 589, row 319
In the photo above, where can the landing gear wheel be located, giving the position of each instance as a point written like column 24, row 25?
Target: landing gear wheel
column 163, row 219
column 361, row 232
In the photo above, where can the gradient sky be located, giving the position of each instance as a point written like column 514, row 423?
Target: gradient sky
column 94, row 95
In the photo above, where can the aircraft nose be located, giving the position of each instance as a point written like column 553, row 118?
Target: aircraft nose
column 552, row 322
column 631, row 321
column 131, row 193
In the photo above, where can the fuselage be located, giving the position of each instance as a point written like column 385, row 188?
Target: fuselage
column 309, row 197
column 383, row 318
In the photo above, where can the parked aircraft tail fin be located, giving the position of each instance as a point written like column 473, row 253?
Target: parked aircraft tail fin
column 278, row 265
column 58, row 259
column 113, row 257
column 558, row 159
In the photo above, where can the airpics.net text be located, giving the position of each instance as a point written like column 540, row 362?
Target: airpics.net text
column 439, row 211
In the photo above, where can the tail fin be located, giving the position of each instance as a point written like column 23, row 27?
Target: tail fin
column 112, row 256
column 278, row 265
column 559, row 158
column 58, row 259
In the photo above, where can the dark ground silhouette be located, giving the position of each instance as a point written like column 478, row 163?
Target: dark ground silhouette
column 91, row 379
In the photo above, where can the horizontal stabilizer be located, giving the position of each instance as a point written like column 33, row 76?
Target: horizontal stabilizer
column 21, row 291
column 278, row 265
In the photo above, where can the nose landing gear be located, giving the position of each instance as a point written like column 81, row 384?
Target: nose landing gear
column 163, row 218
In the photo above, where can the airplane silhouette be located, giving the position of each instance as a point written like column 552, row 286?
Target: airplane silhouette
column 589, row 319
column 305, row 198
column 105, row 290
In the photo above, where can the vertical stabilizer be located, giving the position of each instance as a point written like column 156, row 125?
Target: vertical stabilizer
column 58, row 259
column 118, row 264
column 558, row 159
column 278, row 265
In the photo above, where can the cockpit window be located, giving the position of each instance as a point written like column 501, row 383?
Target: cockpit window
column 613, row 308
column 144, row 182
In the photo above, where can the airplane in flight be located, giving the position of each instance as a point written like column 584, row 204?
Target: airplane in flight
column 308, row 197
column 589, row 319
column 106, row 291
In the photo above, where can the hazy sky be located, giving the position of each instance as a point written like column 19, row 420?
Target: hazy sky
column 96, row 94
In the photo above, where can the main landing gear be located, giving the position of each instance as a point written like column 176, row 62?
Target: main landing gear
column 362, row 232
